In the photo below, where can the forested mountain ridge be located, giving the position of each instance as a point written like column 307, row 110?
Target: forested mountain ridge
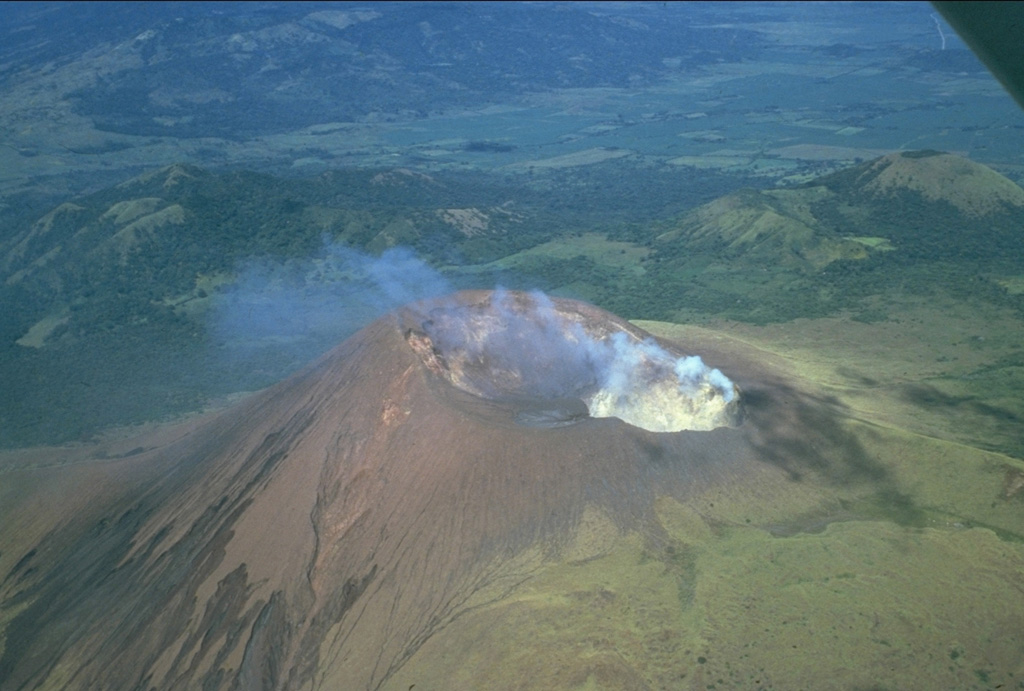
column 129, row 283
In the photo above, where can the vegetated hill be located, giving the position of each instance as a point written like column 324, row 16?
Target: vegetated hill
column 911, row 217
column 770, row 226
column 931, row 206
column 972, row 188
column 106, row 297
column 913, row 202
column 159, row 239
column 111, row 291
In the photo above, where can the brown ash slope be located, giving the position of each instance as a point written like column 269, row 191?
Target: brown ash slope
column 318, row 533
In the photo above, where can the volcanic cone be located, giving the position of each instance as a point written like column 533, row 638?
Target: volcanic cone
column 318, row 533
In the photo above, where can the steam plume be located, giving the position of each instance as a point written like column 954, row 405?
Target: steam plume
column 324, row 299
column 528, row 348
column 520, row 347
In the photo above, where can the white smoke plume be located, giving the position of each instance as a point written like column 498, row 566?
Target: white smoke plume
column 542, row 352
column 277, row 303
column 303, row 307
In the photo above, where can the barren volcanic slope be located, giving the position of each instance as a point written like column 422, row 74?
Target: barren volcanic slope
column 319, row 533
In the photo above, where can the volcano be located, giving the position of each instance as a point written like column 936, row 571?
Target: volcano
column 317, row 534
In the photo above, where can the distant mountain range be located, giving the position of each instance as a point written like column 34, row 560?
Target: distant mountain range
column 93, row 93
column 237, row 72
